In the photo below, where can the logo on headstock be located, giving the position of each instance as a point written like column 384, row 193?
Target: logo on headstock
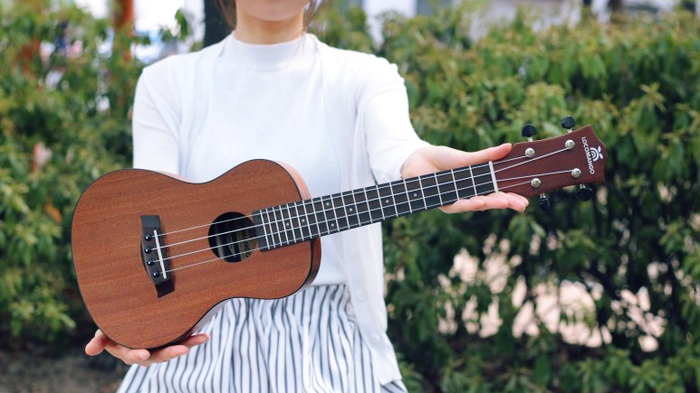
column 593, row 154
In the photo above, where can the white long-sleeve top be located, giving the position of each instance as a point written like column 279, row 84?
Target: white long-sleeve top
column 340, row 118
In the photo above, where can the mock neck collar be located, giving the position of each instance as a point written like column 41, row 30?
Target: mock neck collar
column 269, row 56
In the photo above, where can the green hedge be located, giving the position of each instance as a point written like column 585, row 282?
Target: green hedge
column 636, row 81
column 55, row 137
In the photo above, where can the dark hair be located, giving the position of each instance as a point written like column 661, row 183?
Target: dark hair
column 228, row 10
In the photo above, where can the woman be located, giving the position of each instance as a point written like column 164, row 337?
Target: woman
column 340, row 118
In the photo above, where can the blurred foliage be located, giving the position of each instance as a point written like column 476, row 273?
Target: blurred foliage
column 64, row 119
column 64, row 108
column 637, row 82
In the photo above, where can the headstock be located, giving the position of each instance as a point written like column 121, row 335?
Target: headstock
column 535, row 167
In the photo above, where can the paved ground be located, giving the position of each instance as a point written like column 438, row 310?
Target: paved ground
column 74, row 372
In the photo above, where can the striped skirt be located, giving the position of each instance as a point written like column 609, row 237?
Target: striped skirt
column 307, row 342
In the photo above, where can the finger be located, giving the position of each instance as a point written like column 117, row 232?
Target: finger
column 165, row 354
column 145, row 358
column 515, row 201
column 476, row 204
column 101, row 342
column 97, row 344
column 181, row 349
column 498, row 200
column 127, row 355
column 196, row 339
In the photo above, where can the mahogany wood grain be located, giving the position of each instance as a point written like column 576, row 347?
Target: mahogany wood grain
column 106, row 233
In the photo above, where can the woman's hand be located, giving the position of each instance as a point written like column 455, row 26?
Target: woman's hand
column 142, row 357
column 439, row 158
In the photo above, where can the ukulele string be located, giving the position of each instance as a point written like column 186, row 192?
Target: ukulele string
column 456, row 171
column 531, row 160
column 328, row 232
column 257, row 248
column 275, row 222
column 323, row 211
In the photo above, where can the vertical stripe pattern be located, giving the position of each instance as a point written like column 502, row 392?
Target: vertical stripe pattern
column 307, row 342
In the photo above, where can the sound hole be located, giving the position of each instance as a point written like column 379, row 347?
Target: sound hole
column 232, row 237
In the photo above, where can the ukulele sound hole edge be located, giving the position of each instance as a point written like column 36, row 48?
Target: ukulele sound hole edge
column 232, row 237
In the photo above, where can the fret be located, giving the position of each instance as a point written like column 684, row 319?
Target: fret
column 311, row 218
column 387, row 201
column 482, row 179
column 430, row 191
column 471, row 174
column 454, row 181
column 493, row 177
column 398, row 189
column 375, row 208
column 301, row 221
column 331, row 220
column 437, row 184
column 274, row 231
column 351, row 209
column 270, row 226
column 287, row 225
column 363, row 208
column 415, row 195
column 321, row 219
column 284, row 225
column 446, row 187
column 279, row 220
column 341, row 215
column 422, row 193
column 293, row 221
column 465, row 183
column 408, row 198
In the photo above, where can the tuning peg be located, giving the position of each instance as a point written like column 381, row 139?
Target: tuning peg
column 584, row 194
column 544, row 203
column 528, row 131
column 568, row 123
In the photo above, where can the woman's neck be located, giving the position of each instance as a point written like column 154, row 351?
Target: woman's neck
column 252, row 30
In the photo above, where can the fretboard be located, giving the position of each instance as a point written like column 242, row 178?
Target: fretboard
column 305, row 220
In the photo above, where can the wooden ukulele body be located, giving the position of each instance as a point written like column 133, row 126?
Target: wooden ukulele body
column 108, row 256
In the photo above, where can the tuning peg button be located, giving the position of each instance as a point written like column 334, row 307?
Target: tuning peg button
column 568, row 123
column 584, row 194
column 528, row 131
column 544, row 203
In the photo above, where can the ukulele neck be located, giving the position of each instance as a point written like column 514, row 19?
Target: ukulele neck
column 296, row 222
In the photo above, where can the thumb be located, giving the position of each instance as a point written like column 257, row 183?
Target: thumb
column 97, row 344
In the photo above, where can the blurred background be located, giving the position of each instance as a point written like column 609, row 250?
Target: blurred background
column 596, row 296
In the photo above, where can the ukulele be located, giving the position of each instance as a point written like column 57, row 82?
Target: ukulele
column 155, row 255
